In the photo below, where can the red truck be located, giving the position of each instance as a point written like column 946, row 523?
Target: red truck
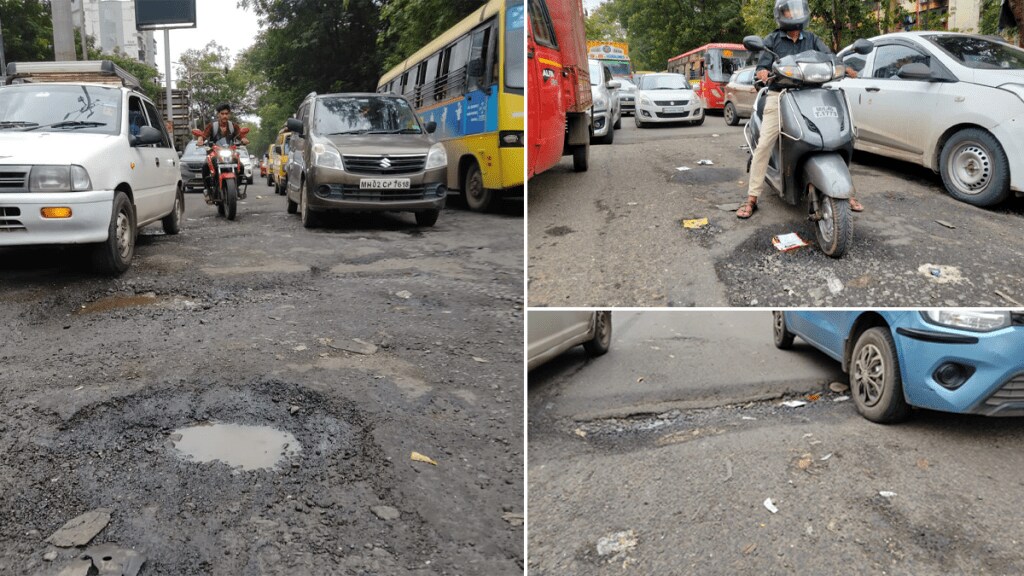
column 559, row 85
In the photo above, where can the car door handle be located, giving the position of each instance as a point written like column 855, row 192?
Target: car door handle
column 873, row 89
column 157, row 161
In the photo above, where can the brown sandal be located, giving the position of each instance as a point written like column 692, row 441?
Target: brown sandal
column 855, row 205
column 746, row 210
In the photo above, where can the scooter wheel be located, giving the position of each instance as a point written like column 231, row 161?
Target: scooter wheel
column 835, row 229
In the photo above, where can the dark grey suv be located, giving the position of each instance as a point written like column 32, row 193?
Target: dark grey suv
column 364, row 152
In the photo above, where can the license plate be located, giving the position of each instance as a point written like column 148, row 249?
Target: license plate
column 671, row 109
column 385, row 183
column 826, row 112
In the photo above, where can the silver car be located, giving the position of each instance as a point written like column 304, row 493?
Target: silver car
column 605, row 115
column 627, row 96
column 552, row 332
column 951, row 102
column 191, row 166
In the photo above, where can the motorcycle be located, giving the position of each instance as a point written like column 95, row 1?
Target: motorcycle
column 811, row 161
column 225, row 167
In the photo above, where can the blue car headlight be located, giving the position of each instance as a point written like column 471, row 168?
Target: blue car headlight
column 973, row 320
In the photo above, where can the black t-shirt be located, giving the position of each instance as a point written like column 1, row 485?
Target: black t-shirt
column 780, row 43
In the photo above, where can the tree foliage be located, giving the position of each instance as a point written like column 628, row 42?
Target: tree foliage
column 28, row 30
column 603, row 24
column 210, row 79
column 408, row 25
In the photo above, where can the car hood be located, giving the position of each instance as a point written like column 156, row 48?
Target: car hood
column 661, row 95
column 193, row 157
column 54, row 147
column 393, row 144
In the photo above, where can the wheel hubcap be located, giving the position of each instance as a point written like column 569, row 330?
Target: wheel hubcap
column 124, row 230
column 476, row 185
column 869, row 375
column 970, row 168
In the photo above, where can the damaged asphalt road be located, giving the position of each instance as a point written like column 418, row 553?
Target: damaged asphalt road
column 365, row 341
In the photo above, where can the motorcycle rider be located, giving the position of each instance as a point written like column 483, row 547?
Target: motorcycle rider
column 222, row 128
column 788, row 39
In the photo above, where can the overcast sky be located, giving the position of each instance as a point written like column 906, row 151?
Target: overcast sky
column 220, row 20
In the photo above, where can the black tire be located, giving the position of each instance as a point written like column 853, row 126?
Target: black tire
column 974, row 168
column 270, row 180
column 876, row 384
column 293, row 207
column 783, row 337
column 618, row 123
column 478, row 198
column 427, row 217
column 221, row 211
column 606, row 139
column 835, row 229
column 636, row 120
column 699, row 122
column 729, row 113
column 581, row 157
column 172, row 222
column 114, row 255
column 602, row 339
column 230, row 198
column 310, row 219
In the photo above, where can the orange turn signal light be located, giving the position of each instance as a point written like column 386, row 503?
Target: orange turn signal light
column 56, row 212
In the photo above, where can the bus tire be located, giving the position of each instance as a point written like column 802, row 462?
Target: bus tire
column 478, row 198
column 581, row 157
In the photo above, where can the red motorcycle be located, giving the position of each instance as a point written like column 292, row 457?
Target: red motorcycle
column 225, row 166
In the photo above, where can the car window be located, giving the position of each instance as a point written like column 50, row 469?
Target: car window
column 982, row 53
column 664, row 82
column 855, row 61
column 889, row 59
column 156, row 122
column 596, row 73
column 746, row 77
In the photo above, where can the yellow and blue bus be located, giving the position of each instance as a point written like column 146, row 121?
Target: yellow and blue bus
column 470, row 81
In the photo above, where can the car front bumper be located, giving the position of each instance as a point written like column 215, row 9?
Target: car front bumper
column 627, row 104
column 996, row 384
column 22, row 223
column 336, row 190
column 692, row 110
column 601, row 121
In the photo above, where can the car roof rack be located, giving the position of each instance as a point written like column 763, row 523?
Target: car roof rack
column 94, row 71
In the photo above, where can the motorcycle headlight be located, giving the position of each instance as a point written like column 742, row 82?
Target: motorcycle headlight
column 225, row 155
column 437, row 156
column 327, row 157
column 72, row 178
column 975, row 320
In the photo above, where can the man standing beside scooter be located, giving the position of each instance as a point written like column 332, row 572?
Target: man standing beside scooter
column 790, row 38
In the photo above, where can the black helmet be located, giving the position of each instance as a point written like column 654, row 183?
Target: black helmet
column 224, row 106
column 798, row 14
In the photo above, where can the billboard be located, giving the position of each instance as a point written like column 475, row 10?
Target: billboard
column 159, row 14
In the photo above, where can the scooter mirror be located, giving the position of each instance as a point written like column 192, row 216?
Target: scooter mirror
column 753, row 43
column 863, row 46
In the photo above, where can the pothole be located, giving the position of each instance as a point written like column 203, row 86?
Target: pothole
column 237, row 445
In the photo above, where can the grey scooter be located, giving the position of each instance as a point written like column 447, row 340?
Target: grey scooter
column 811, row 160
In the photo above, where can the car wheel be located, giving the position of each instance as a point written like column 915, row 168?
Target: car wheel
column 636, row 120
column 783, row 337
column 700, row 121
column 731, row 118
column 114, row 256
column 607, row 138
column 172, row 222
column 270, row 181
column 427, row 217
column 618, row 123
column 975, row 169
column 602, row 339
column 581, row 157
column 875, row 381
column 478, row 198
column 310, row 219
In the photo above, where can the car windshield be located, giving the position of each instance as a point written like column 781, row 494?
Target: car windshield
column 618, row 67
column 60, row 108
column 976, row 52
column 663, row 82
column 336, row 115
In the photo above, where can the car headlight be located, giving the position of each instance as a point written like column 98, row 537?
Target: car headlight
column 437, row 157
column 646, row 101
column 327, row 157
column 1017, row 89
column 71, row 178
column 975, row 320
column 600, row 102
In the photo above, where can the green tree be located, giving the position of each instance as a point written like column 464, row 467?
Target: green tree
column 27, row 29
column 837, row 22
column 210, row 79
column 657, row 30
column 603, row 24
column 408, row 25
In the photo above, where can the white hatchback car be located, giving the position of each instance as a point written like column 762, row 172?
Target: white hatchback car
column 666, row 97
column 551, row 332
column 606, row 114
column 951, row 102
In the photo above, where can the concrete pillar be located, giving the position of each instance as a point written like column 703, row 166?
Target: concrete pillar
column 63, row 31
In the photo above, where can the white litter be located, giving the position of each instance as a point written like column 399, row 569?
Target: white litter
column 705, row 163
column 748, row 418
column 840, row 398
column 770, row 506
column 794, row 403
column 826, row 456
column 681, row 168
column 886, row 494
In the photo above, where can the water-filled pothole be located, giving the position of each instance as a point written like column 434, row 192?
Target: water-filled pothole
column 238, row 445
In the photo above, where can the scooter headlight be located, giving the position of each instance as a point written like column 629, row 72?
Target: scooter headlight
column 838, row 71
column 794, row 72
column 817, row 71
column 975, row 320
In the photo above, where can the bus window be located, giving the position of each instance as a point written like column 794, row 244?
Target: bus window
column 478, row 57
column 457, row 68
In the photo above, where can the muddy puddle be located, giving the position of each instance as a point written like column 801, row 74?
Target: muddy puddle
column 240, row 446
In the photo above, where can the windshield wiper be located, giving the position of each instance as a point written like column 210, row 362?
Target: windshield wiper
column 4, row 124
column 398, row 131
column 348, row 132
column 69, row 124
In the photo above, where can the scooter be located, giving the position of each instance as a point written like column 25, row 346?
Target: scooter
column 225, row 167
column 811, row 161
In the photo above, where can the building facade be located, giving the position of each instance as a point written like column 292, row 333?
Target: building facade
column 960, row 15
column 112, row 24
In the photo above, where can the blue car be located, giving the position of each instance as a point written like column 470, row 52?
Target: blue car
column 952, row 360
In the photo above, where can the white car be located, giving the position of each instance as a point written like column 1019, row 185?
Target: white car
column 951, row 102
column 551, row 332
column 84, row 162
column 666, row 97
column 606, row 114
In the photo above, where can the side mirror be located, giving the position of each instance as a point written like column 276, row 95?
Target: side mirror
column 431, row 127
column 753, row 43
column 915, row 71
column 147, row 135
column 295, row 125
column 614, row 84
column 476, row 68
column 863, row 46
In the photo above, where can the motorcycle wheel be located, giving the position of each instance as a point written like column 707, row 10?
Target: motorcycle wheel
column 230, row 198
column 835, row 229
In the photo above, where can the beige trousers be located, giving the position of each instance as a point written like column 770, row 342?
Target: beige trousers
column 765, row 144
